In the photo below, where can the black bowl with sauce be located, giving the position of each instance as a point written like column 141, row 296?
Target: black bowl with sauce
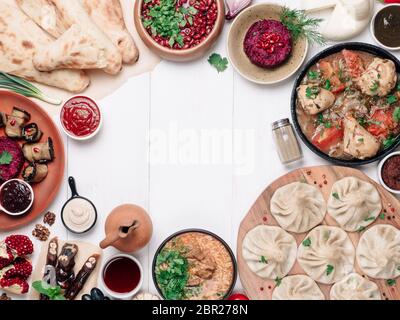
column 171, row 237
column 385, row 27
column 357, row 46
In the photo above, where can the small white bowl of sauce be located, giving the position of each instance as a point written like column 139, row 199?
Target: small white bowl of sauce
column 81, row 118
column 16, row 197
column 385, row 27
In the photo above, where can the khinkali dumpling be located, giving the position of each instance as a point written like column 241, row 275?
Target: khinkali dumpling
column 270, row 252
column 355, row 287
column 378, row 252
column 354, row 203
column 298, row 287
column 298, row 207
column 327, row 254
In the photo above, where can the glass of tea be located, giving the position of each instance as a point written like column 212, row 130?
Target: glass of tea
column 122, row 276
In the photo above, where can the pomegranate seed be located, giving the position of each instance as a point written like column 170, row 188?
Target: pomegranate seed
column 13, row 122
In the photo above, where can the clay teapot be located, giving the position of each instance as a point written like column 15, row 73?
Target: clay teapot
column 128, row 228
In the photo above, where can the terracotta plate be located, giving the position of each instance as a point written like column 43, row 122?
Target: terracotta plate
column 242, row 63
column 46, row 191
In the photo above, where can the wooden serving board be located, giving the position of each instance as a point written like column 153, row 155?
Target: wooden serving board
column 323, row 177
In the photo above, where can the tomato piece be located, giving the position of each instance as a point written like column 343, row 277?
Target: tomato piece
column 381, row 123
column 354, row 63
column 328, row 137
column 238, row 296
column 328, row 71
column 338, row 89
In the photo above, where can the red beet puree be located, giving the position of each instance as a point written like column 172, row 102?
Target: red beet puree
column 80, row 116
column 391, row 172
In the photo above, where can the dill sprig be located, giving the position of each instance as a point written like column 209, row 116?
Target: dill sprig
column 302, row 26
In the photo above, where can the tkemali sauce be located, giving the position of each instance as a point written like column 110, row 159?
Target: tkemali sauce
column 391, row 173
column 80, row 116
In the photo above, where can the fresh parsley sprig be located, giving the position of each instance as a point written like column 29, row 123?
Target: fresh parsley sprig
column 218, row 62
column 54, row 293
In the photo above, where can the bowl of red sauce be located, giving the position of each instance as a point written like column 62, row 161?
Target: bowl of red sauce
column 389, row 172
column 81, row 118
column 179, row 30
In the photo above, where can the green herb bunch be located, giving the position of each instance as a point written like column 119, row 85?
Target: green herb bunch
column 166, row 20
column 172, row 274
column 54, row 293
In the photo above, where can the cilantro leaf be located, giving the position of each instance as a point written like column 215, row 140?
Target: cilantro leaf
column 218, row 62
column 307, row 242
column 263, row 260
column 5, row 158
column 54, row 293
column 335, row 195
column 328, row 85
column 396, row 114
column 389, row 141
column 329, row 269
column 374, row 87
column 313, row 75
column 278, row 281
column 391, row 282
column 382, row 216
column 391, row 99
column 312, row 92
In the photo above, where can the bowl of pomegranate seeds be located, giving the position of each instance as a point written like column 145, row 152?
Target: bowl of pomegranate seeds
column 179, row 30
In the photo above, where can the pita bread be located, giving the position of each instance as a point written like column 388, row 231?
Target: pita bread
column 78, row 49
column 20, row 38
column 109, row 17
column 71, row 12
column 45, row 14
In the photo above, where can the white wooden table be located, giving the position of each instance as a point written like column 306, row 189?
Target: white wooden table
column 191, row 146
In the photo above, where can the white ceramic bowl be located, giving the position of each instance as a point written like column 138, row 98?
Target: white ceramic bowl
column 116, row 295
column 90, row 136
column 30, row 205
column 372, row 28
column 397, row 153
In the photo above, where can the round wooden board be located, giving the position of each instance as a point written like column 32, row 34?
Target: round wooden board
column 46, row 191
column 323, row 177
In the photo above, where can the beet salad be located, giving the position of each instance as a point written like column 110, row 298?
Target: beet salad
column 268, row 43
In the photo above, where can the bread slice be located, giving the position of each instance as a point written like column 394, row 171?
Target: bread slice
column 20, row 39
column 109, row 17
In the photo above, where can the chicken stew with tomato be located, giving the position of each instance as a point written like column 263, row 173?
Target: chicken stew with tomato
column 348, row 105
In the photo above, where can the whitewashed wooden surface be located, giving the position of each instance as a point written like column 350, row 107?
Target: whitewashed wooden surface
column 153, row 151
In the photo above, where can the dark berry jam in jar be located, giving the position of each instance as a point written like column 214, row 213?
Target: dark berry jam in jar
column 179, row 24
column 16, row 196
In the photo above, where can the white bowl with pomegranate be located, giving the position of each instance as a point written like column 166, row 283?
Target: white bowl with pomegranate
column 179, row 30
column 81, row 118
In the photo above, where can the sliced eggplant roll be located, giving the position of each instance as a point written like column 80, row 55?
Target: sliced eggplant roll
column 31, row 133
column 20, row 113
column 39, row 152
column 3, row 119
column 15, row 122
column 35, row 172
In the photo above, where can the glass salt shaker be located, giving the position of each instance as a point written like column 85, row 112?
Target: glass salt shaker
column 286, row 142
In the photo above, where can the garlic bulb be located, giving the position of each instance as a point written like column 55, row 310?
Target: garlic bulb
column 146, row 296
column 235, row 6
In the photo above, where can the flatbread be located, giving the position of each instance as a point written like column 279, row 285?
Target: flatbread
column 71, row 12
column 20, row 38
column 109, row 17
column 78, row 49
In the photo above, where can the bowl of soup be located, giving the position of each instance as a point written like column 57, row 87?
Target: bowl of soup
column 194, row 264
column 346, row 104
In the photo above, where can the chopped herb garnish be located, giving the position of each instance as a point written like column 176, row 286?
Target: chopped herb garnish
column 313, row 75
column 312, row 92
column 396, row 114
column 382, row 216
column 391, row 282
column 329, row 269
column 369, row 219
column 391, row 99
column 278, row 281
column 389, row 141
column 321, row 120
column 263, row 260
column 374, row 87
column 218, row 62
column 5, row 158
column 361, row 140
column 307, row 242
column 360, row 229
column 328, row 85
column 362, row 122
column 336, row 195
